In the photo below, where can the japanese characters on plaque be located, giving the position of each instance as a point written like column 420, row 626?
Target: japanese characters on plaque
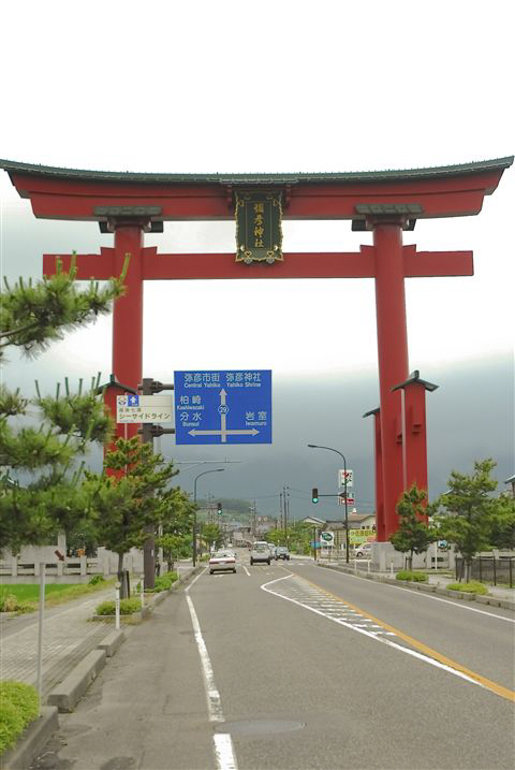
column 258, row 226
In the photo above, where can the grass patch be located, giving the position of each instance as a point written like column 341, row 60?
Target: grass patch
column 20, row 706
column 413, row 577
column 25, row 597
column 127, row 607
column 474, row 587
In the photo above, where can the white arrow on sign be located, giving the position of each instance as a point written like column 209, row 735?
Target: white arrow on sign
column 224, row 431
column 195, row 432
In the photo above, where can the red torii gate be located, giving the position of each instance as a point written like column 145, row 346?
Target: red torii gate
column 386, row 203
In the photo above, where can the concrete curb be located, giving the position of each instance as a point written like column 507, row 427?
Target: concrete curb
column 493, row 601
column 111, row 643
column 67, row 694
column 31, row 741
column 131, row 620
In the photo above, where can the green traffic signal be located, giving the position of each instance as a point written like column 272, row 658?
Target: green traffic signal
column 314, row 495
column 219, row 508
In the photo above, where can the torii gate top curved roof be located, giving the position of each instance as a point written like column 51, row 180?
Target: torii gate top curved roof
column 439, row 191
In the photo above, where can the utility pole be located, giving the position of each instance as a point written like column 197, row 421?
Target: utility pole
column 286, row 505
column 253, row 518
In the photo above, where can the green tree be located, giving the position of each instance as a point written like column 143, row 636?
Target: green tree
column 133, row 500
column 176, row 528
column 211, row 535
column 502, row 533
column 33, row 315
column 297, row 537
column 466, row 514
column 39, row 484
column 413, row 534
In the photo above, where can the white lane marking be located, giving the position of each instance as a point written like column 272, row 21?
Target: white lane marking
column 374, row 635
column 214, row 704
column 224, row 751
column 436, row 598
column 246, row 570
column 186, row 590
column 223, row 745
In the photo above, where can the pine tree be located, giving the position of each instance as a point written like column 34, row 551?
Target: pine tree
column 176, row 528
column 413, row 534
column 39, row 483
column 132, row 500
column 467, row 513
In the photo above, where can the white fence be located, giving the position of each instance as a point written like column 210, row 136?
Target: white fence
column 27, row 565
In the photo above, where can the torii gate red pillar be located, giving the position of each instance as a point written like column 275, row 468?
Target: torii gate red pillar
column 413, row 429
column 127, row 352
column 392, row 342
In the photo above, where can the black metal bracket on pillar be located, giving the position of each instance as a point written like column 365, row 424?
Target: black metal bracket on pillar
column 149, row 386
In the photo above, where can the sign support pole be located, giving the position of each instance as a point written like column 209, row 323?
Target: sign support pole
column 148, row 431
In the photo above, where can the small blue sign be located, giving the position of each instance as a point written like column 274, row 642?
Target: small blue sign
column 232, row 407
column 132, row 400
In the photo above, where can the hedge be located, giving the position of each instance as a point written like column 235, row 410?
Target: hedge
column 473, row 587
column 414, row 577
column 19, row 706
column 127, row 607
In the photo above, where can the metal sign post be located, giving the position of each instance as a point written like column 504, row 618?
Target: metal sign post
column 117, row 586
column 42, row 568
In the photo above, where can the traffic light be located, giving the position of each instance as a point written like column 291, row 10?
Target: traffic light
column 219, row 508
column 314, row 495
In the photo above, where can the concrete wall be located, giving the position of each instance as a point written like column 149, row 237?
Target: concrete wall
column 26, row 566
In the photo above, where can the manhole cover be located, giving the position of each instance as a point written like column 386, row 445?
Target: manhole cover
column 258, row 727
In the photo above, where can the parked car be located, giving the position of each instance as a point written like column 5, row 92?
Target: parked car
column 281, row 552
column 260, row 553
column 363, row 551
column 222, row 561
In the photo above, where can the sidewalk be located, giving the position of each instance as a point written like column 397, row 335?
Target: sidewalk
column 503, row 594
column 68, row 636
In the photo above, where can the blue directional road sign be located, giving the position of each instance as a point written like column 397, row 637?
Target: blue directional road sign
column 233, row 407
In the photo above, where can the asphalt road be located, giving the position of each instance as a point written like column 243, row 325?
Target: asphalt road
column 295, row 666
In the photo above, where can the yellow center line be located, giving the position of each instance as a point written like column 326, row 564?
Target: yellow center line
column 498, row 689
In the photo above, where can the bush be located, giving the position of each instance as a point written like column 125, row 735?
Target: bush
column 127, row 607
column 11, row 603
column 20, row 705
column 164, row 582
column 414, row 577
column 96, row 579
column 8, row 603
column 474, row 587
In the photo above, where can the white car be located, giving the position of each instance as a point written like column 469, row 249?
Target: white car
column 222, row 561
column 363, row 551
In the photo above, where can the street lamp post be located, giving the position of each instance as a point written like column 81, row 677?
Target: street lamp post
column 330, row 449
column 213, row 470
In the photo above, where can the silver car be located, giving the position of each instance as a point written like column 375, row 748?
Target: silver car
column 260, row 553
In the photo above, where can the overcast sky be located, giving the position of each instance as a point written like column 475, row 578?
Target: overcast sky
column 277, row 87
